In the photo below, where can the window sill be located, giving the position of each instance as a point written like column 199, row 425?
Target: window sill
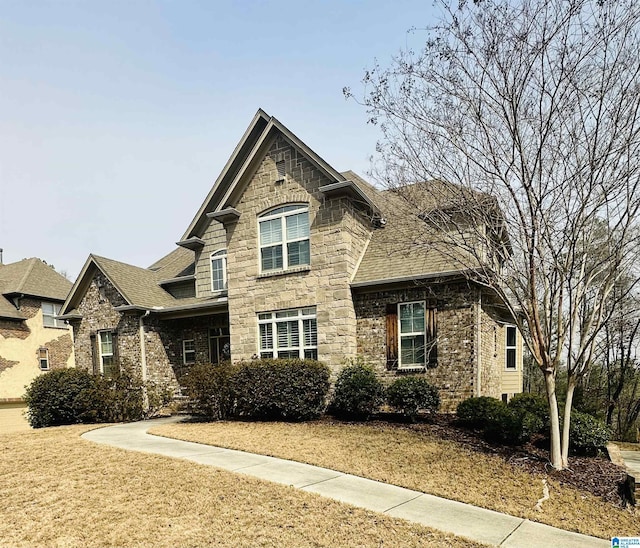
column 411, row 368
column 294, row 270
column 56, row 327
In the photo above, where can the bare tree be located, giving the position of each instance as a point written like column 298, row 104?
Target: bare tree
column 525, row 117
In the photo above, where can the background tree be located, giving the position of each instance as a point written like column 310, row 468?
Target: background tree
column 525, row 117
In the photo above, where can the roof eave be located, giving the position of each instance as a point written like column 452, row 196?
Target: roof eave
column 413, row 278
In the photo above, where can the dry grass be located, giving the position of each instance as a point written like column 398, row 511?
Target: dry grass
column 418, row 461
column 12, row 418
column 58, row 490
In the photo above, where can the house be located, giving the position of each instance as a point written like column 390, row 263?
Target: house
column 288, row 257
column 32, row 338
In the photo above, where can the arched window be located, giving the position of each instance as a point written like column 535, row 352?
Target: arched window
column 284, row 238
column 219, row 270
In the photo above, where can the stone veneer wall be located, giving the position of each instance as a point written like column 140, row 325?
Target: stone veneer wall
column 455, row 374
column 338, row 236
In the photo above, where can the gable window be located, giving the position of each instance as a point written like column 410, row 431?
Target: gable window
column 510, row 345
column 108, row 365
column 415, row 337
column 289, row 334
column 43, row 358
column 284, row 238
column 188, row 351
column 219, row 270
column 49, row 313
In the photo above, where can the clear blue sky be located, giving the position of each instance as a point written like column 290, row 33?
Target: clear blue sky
column 116, row 117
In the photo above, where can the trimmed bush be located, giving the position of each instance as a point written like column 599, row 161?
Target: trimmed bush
column 209, row 388
column 61, row 396
column 280, row 389
column 533, row 404
column 478, row 412
column 505, row 426
column 587, row 434
column 411, row 394
column 358, row 392
column 119, row 397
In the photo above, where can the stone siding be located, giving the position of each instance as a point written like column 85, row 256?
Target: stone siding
column 338, row 235
column 455, row 375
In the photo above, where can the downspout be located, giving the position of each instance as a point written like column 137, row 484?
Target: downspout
column 479, row 345
column 143, row 361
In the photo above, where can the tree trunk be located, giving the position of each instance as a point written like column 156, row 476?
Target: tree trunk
column 555, row 452
column 571, row 386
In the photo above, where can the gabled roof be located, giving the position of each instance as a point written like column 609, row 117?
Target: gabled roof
column 33, row 278
column 247, row 153
column 138, row 286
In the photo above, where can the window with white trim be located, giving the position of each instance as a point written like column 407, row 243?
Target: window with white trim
column 289, row 334
column 284, row 238
column 510, row 346
column 107, row 360
column 188, row 351
column 43, row 358
column 49, row 313
column 219, row 270
column 412, row 330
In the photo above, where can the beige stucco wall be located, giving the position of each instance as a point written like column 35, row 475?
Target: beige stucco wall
column 20, row 353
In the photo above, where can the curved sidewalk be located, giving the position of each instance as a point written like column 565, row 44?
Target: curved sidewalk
column 460, row 519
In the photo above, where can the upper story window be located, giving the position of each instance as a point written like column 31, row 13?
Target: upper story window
column 510, row 345
column 49, row 313
column 219, row 270
column 284, row 238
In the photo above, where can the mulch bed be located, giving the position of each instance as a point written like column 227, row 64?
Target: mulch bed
column 596, row 475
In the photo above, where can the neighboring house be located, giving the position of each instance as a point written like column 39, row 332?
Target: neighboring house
column 287, row 257
column 32, row 338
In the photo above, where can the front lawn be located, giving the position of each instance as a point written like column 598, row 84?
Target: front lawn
column 417, row 458
column 58, row 490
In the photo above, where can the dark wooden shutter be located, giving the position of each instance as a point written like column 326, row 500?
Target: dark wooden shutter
column 95, row 355
column 392, row 336
column 431, row 318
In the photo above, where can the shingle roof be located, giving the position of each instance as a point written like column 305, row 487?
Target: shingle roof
column 405, row 247
column 31, row 277
column 139, row 286
column 179, row 262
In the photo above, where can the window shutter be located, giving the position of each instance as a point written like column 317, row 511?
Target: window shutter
column 431, row 321
column 95, row 354
column 392, row 336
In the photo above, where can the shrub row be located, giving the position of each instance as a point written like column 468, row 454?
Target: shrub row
column 359, row 393
column 526, row 415
column 296, row 390
column 71, row 396
column 264, row 389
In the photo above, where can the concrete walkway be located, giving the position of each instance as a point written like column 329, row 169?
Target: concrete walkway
column 445, row 515
column 632, row 463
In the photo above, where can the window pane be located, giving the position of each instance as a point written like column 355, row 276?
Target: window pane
column 298, row 226
column 288, row 335
column 266, row 337
column 48, row 308
column 270, row 232
column 418, row 317
column 217, row 274
column 266, row 354
column 511, row 336
column 49, row 321
column 106, row 342
column 298, row 253
column 511, row 358
column 412, row 350
column 310, row 332
column 288, row 354
column 311, row 354
column 272, row 258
